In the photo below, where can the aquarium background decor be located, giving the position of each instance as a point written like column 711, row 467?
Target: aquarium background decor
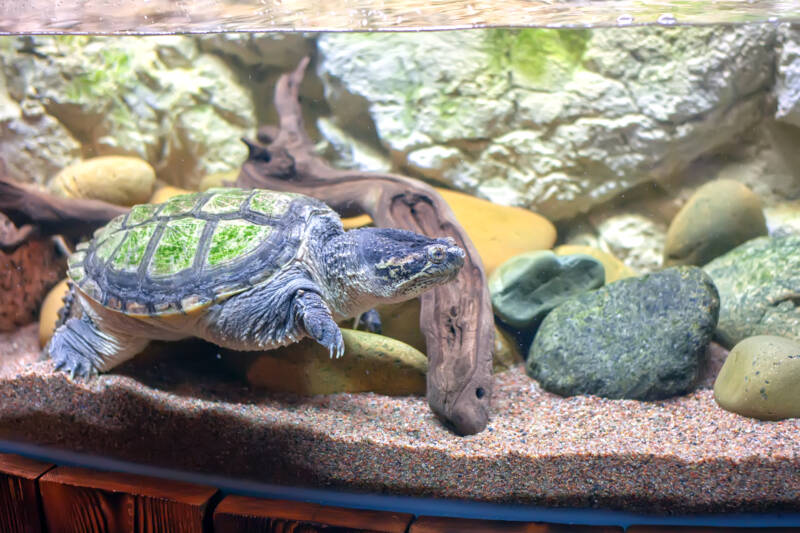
column 623, row 176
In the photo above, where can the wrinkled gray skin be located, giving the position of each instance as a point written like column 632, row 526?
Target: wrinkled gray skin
column 336, row 275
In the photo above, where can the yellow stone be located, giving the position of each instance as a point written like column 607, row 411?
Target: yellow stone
column 506, row 352
column 48, row 313
column 166, row 192
column 499, row 232
column 759, row 378
column 615, row 269
column 119, row 180
column 371, row 363
column 218, row 179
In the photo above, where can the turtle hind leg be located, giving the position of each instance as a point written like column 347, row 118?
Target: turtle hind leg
column 83, row 350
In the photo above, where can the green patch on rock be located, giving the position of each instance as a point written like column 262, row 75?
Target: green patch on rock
column 234, row 238
column 544, row 58
column 177, row 247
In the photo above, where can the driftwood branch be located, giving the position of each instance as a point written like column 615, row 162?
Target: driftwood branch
column 456, row 318
column 28, row 207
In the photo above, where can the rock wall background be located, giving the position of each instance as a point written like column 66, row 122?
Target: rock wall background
column 606, row 132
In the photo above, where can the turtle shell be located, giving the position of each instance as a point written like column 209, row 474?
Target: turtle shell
column 193, row 249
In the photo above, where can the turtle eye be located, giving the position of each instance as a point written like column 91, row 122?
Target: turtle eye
column 437, row 254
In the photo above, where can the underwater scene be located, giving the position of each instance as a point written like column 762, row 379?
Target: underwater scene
column 548, row 266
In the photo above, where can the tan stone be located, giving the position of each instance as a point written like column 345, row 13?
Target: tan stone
column 499, row 232
column 218, row 179
column 119, row 180
column 48, row 312
column 720, row 215
column 163, row 194
column 371, row 363
column 615, row 269
column 506, row 352
column 760, row 378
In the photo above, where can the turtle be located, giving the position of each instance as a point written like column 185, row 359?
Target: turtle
column 246, row 269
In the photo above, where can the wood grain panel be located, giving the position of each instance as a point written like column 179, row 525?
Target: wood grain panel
column 87, row 501
column 241, row 514
column 20, row 505
column 440, row 524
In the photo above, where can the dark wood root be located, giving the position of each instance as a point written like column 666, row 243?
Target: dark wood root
column 28, row 208
column 456, row 318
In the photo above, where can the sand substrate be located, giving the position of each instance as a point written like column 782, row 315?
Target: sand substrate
column 187, row 412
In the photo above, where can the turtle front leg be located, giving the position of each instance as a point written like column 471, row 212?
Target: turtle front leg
column 83, row 350
column 310, row 311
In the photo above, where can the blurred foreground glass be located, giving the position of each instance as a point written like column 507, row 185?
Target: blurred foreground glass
column 183, row 16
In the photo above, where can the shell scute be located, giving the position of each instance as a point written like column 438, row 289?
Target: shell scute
column 130, row 253
column 234, row 238
column 177, row 247
column 224, row 201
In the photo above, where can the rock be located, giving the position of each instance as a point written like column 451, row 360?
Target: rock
column 787, row 83
column 506, row 352
column 554, row 120
column 720, row 215
column 499, row 232
column 158, row 99
column 344, row 151
column 282, row 50
column 163, row 194
column 26, row 274
column 371, row 363
column 218, row 179
column 783, row 219
column 48, row 313
column 528, row 286
column 614, row 268
column 759, row 378
column 755, row 282
column 118, row 180
column 636, row 239
column 637, row 338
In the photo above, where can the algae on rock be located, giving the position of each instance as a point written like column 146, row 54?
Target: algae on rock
column 554, row 120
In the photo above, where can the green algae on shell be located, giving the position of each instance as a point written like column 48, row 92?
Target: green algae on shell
column 191, row 250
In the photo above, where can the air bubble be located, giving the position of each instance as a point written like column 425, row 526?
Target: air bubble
column 667, row 19
column 623, row 20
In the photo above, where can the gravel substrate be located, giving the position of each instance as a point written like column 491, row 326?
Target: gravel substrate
column 186, row 412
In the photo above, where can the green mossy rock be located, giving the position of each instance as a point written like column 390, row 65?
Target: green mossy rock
column 759, row 284
column 528, row 286
column 119, row 180
column 638, row 338
column 719, row 216
column 760, row 378
column 371, row 363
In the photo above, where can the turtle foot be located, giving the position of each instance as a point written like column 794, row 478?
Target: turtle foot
column 71, row 353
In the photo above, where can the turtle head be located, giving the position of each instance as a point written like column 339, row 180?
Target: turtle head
column 400, row 265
